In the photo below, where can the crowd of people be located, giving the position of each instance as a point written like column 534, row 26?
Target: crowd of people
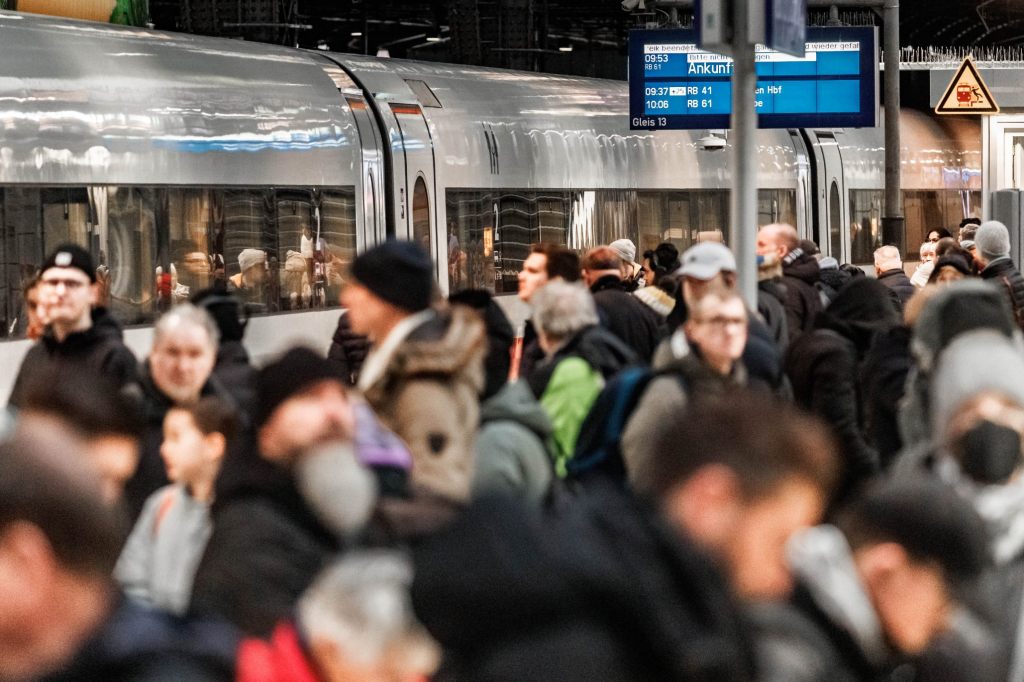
column 652, row 481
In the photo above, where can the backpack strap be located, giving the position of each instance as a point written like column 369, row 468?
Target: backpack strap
column 166, row 502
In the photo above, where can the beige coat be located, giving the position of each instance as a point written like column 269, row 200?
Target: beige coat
column 430, row 396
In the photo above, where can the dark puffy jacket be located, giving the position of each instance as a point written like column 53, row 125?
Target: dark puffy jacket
column 771, row 299
column 626, row 317
column 884, row 377
column 267, row 546
column 605, row 592
column 1004, row 273
column 348, row 349
column 98, row 352
column 236, row 374
column 899, row 283
column 823, row 368
column 800, row 274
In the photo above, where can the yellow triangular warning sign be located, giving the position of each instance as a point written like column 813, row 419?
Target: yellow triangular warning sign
column 967, row 93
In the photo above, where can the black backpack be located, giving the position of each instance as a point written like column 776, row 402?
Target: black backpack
column 598, row 450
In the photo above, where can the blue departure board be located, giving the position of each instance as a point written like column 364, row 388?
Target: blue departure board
column 674, row 85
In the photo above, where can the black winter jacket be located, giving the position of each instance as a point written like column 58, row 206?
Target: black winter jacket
column 883, row 378
column 348, row 350
column 1002, row 271
column 266, row 547
column 99, row 352
column 605, row 592
column 771, row 299
column 800, row 274
column 898, row 282
column 625, row 316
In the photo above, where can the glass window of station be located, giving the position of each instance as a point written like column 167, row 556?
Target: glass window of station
column 279, row 249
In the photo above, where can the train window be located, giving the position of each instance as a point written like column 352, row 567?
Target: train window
column 424, row 95
column 490, row 233
column 865, row 224
column 835, row 221
column 678, row 216
column 776, row 206
column 156, row 246
column 421, row 215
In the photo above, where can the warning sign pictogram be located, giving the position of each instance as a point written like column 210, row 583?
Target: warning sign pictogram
column 967, row 93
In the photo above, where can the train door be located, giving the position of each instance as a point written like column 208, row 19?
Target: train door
column 370, row 208
column 417, row 208
column 830, row 197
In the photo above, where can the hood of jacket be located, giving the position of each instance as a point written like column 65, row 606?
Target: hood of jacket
column 822, row 561
column 515, row 402
column 450, row 346
column 607, row 565
column 106, row 325
column 860, row 309
column 801, row 266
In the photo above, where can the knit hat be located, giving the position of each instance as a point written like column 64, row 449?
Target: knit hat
column 976, row 361
column 500, row 336
column 289, row 375
column 71, row 256
column 706, row 260
column 397, row 272
column 993, row 240
column 625, row 249
column 250, row 257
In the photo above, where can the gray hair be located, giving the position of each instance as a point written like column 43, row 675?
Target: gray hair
column 888, row 257
column 560, row 309
column 186, row 314
column 362, row 604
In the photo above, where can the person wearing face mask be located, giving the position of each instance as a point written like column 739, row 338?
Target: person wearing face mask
column 977, row 417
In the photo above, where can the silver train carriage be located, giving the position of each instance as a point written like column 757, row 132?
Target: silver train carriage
column 170, row 155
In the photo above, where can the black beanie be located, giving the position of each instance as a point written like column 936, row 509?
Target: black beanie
column 397, row 272
column 292, row 373
column 500, row 336
column 225, row 309
column 71, row 256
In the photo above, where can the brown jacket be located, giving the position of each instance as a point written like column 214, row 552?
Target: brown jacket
column 430, row 396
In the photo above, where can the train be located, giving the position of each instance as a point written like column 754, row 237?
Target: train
column 169, row 155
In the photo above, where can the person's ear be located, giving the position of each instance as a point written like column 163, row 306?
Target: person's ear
column 707, row 504
column 94, row 294
column 214, row 445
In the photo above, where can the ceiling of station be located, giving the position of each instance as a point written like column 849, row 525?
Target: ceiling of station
column 531, row 34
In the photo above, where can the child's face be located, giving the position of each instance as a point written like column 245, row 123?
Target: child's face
column 183, row 447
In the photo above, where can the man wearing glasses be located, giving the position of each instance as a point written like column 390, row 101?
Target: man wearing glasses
column 78, row 338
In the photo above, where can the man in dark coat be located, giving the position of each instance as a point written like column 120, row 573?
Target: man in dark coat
column 233, row 369
column 822, row 366
column 619, row 589
column 800, row 274
column 79, row 338
column 620, row 312
column 992, row 254
column 889, row 270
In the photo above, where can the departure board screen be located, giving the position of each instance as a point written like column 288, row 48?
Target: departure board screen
column 675, row 85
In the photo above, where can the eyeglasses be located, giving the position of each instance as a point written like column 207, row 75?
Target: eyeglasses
column 721, row 322
column 69, row 284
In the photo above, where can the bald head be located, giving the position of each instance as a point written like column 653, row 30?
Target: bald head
column 887, row 258
column 777, row 238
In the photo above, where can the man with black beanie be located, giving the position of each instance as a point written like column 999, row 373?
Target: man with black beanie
column 512, row 454
column 425, row 372
column 233, row 368
column 80, row 337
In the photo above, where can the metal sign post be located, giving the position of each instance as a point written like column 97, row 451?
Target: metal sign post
column 743, row 207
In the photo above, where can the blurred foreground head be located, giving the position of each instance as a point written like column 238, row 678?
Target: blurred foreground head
column 58, row 545
column 359, row 622
column 739, row 478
